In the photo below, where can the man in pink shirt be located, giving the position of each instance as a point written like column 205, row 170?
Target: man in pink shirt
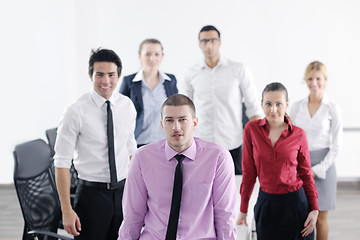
column 207, row 191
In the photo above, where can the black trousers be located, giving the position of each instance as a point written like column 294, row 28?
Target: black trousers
column 237, row 157
column 100, row 212
column 281, row 216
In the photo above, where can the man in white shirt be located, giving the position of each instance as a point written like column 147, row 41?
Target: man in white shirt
column 218, row 88
column 99, row 129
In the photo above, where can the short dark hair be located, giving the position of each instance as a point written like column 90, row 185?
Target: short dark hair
column 179, row 100
column 104, row 55
column 209, row 28
column 275, row 86
column 151, row 41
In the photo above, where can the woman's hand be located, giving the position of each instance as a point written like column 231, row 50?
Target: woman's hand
column 310, row 223
column 242, row 219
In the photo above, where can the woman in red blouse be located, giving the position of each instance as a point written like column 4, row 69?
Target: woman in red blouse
column 277, row 153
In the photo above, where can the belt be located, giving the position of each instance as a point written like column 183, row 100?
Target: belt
column 101, row 184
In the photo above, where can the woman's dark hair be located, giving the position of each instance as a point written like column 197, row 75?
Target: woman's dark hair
column 275, row 86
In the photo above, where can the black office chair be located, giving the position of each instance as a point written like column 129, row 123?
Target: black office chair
column 51, row 136
column 36, row 191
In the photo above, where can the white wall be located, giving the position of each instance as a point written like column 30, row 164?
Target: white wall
column 46, row 46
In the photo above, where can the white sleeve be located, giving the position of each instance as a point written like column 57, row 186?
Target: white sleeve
column 294, row 109
column 67, row 135
column 336, row 143
column 186, row 87
column 249, row 92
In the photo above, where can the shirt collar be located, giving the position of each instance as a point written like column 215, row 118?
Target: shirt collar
column 190, row 152
column 263, row 123
column 100, row 100
column 140, row 76
column 325, row 99
column 222, row 62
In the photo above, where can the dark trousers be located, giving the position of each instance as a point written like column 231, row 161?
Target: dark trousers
column 281, row 216
column 237, row 156
column 100, row 211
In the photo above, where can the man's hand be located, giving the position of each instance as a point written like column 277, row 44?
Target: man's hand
column 71, row 222
column 310, row 223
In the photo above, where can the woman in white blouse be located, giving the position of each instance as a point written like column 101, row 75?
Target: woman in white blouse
column 321, row 119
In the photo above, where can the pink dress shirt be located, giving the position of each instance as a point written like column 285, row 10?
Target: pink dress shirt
column 208, row 203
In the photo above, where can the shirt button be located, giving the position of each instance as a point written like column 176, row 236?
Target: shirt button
column 178, row 236
column 179, row 219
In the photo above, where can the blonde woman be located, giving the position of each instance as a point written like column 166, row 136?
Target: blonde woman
column 321, row 120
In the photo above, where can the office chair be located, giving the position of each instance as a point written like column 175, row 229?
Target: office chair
column 36, row 191
column 51, row 136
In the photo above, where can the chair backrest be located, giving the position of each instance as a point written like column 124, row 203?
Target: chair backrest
column 35, row 186
column 51, row 136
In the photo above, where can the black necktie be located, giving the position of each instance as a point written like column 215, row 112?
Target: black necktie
column 175, row 202
column 111, row 152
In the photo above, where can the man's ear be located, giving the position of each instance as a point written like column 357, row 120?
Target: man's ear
column 196, row 120
column 161, row 122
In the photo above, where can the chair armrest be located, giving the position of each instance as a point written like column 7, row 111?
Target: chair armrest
column 51, row 234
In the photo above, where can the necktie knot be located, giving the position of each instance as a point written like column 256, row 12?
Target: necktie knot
column 108, row 103
column 180, row 158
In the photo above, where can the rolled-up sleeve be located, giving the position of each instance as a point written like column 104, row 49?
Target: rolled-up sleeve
column 67, row 134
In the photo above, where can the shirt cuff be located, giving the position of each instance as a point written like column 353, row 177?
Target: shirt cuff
column 314, row 205
column 319, row 171
column 244, row 206
column 62, row 163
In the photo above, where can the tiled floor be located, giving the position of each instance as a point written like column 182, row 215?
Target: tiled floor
column 344, row 222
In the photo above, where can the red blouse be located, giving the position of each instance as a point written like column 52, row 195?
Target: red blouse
column 282, row 168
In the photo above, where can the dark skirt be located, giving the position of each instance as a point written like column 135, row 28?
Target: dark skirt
column 281, row 216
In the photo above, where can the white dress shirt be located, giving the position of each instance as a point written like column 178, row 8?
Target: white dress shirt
column 217, row 94
column 83, row 131
column 323, row 130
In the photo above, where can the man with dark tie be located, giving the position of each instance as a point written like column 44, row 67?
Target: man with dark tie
column 99, row 129
column 180, row 187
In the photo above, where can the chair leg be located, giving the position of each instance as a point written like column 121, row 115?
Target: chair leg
column 25, row 231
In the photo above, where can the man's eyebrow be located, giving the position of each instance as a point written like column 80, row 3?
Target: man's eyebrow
column 177, row 117
column 105, row 73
